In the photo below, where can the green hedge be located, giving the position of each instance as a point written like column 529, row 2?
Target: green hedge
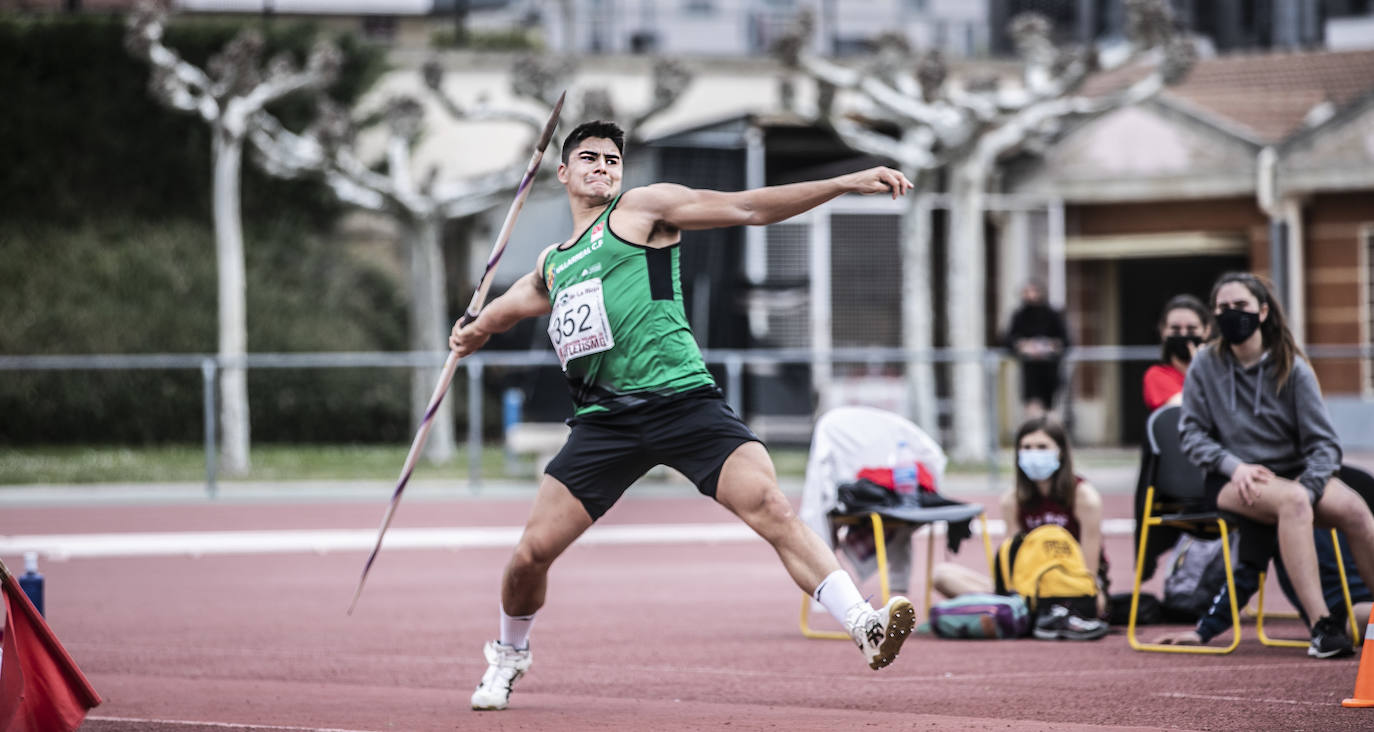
column 143, row 287
column 106, row 240
column 83, row 137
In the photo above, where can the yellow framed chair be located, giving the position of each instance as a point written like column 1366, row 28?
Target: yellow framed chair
column 847, row 440
column 1174, row 497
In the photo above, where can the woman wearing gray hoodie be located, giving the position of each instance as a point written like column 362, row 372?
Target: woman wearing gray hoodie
column 1254, row 420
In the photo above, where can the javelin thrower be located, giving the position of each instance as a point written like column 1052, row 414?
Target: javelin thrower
column 643, row 394
column 474, row 307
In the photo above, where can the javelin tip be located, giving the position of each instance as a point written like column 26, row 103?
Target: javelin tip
column 553, row 121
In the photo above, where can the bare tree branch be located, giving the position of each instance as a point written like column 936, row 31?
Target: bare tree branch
column 481, row 110
column 236, row 86
column 286, row 154
column 671, row 79
column 968, row 127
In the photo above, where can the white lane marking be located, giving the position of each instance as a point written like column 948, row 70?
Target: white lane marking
column 221, row 725
column 319, row 541
column 950, row 676
column 1245, row 699
column 197, row 543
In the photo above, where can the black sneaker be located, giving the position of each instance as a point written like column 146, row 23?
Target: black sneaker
column 1058, row 622
column 1329, row 639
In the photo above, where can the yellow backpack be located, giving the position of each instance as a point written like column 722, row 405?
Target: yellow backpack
column 1045, row 567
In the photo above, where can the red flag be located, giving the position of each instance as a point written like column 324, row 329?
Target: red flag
column 41, row 689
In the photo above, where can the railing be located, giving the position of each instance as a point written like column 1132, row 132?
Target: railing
column 734, row 362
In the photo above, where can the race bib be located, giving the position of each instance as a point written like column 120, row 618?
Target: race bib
column 578, row 325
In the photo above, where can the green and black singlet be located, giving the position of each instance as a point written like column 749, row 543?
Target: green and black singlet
column 618, row 323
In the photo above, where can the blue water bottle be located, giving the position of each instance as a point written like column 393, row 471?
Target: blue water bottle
column 31, row 581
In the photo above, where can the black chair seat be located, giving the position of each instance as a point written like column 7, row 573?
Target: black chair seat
column 913, row 514
column 1191, row 518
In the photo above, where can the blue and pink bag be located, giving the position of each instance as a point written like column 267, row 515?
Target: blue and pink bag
column 980, row 616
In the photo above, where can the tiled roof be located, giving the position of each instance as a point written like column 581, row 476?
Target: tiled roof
column 1266, row 96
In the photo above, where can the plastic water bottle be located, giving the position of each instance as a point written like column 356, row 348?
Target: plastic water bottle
column 31, row 581
column 904, row 468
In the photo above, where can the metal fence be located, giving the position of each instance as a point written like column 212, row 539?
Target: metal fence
column 735, row 364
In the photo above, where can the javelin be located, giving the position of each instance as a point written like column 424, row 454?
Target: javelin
column 479, row 298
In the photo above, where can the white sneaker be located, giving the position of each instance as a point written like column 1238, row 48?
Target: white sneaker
column 505, row 665
column 880, row 633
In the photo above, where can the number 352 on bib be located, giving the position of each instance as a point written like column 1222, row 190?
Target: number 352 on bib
column 578, row 325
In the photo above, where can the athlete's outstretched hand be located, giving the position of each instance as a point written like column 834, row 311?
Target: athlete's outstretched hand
column 881, row 179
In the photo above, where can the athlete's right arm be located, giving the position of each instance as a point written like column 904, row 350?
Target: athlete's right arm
column 526, row 298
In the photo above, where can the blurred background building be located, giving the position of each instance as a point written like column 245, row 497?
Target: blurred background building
column 1129, row 208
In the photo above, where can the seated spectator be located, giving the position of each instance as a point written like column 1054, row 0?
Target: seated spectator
column 1183, row 327
column 1254, row 421
column 1047, row 491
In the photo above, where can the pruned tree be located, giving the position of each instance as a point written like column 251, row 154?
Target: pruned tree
column 235, row 86
column 965, row 128
column 419, row 203
column 541, row 79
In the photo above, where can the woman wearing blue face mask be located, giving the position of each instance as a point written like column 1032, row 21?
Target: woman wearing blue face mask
column 1254, row 420
column 1047, row 492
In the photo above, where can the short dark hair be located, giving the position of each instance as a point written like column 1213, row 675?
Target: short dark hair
column 598, row 128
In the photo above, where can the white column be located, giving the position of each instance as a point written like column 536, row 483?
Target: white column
column 822, row 339
column 755, row 237
column 1297, row 291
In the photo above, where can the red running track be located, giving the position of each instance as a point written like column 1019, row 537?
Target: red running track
column 635, row 637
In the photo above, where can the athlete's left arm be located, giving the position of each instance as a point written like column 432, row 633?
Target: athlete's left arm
column 683, row 208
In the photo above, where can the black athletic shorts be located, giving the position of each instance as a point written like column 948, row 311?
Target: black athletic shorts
column 605, row 453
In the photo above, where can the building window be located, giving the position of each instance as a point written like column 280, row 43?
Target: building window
column 699, row 7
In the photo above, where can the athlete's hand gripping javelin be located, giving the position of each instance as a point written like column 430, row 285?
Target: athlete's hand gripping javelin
column 523, row 300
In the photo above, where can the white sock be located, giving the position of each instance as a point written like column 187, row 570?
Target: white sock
column 840, row 596
column 515, row 631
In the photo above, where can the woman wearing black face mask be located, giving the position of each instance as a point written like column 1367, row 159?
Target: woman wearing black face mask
column 1183, row 327
column 1254, row 420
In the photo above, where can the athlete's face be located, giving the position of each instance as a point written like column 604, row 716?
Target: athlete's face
column 593, row 170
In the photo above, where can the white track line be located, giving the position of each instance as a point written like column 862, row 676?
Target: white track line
column 320, row 541
column 661, row 671
column 1245, row 699
column 221, row 725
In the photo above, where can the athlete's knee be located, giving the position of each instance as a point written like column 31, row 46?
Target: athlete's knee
column 532, row 554
column 774, row 508
column 769, row 513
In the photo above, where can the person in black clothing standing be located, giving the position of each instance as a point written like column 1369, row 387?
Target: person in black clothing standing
column 1038, row 337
